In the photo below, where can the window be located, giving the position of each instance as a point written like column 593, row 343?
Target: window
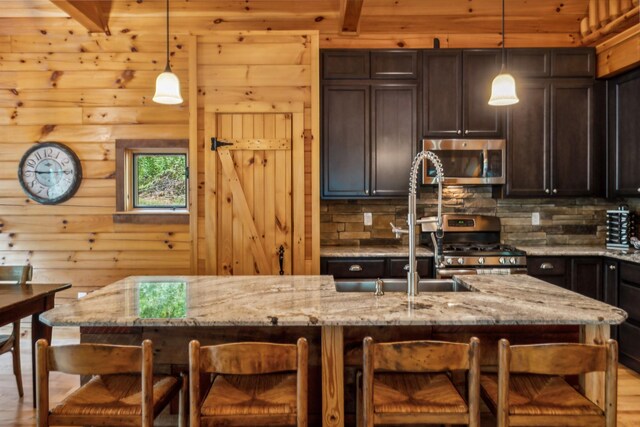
column 152, row 181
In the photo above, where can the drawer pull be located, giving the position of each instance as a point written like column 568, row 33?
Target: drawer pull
column 355, row 267
column 546, row 266
column 612, row 267
column 406, row 267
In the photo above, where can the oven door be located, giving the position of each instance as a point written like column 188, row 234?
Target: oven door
column 466, row 161
column 448, row 273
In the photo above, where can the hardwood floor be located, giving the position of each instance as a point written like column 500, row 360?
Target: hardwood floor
column 15, row 412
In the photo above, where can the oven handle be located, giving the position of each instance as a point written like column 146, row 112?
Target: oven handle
column 448, row 273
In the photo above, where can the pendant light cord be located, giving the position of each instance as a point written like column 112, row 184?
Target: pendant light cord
column 168, row 67
column 503, row 49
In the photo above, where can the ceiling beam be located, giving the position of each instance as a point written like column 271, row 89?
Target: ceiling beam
column 350, row 11
column 90, row 14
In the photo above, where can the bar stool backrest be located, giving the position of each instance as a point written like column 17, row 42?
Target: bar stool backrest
column 18, row 274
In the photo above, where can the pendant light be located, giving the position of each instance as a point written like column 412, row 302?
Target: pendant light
column 503, row 87
column 167, row 83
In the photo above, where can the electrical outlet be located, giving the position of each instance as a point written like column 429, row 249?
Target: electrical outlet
column 82, row 295
column 368, row 218
column 535, row 218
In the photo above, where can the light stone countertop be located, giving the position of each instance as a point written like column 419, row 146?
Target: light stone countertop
column 372, row 251
column 313, row 301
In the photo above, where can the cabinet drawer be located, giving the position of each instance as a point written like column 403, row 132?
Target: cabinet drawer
column 345, row 65
column 630, row 273
column 394, row 64
column 544, row 266
column 572, row 63
column 629, row 297
column 355, row 268
column 629, row 337
column 529, row 62
column 397, row 268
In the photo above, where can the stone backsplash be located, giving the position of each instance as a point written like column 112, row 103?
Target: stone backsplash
column 563, row 221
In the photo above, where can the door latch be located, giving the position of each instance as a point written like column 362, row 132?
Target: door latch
column 281, row 259
column 215, row 143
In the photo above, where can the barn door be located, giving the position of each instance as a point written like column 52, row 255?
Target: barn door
column 248, row 198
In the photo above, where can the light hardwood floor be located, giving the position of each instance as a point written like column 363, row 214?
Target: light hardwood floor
column 15, row 412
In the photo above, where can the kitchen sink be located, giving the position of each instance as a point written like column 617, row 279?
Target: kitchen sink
column 400, row 285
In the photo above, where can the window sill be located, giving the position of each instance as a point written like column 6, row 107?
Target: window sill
column 152, row 217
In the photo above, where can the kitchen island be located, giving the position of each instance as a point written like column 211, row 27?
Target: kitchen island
column 173, row 310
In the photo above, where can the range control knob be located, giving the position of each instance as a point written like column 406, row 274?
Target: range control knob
column 460, row 260
column 481, row 261
column 449, row 261
column 512, row 260
column 502, row 260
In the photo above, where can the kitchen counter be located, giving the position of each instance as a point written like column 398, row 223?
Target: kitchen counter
column 313, row 301
column 372, row 251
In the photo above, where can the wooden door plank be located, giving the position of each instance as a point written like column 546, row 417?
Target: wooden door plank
column 247, row 185
column 238, row 227
column 242, row 209
column 211, row 201
column 225, row 198
column 270, row 185
column 298, row 181
column 288, row 255
column 258, row 179
column 282, row 226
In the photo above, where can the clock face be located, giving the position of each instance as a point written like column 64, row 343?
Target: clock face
column 50, row 173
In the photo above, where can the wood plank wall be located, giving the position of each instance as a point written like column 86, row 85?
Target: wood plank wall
column 85, row 91
column 261, row 67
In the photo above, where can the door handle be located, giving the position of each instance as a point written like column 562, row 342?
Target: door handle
column 281, row 259
column 215, row 143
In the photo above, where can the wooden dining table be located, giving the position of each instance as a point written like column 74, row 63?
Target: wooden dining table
column 19, row 301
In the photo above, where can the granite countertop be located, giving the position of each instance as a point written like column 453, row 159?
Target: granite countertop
column 372, row 251
column 313, row 301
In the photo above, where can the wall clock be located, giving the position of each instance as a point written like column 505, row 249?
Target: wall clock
column 50, row 173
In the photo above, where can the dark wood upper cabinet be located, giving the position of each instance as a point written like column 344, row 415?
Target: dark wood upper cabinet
column 528, row 141
column 346, row 143
column 624, row 135
column 572, row 137
column 442, row 93
column 345, row 64
column 479, row 119
column 394, row 134
column 394, row 64
column 529, row 62
column 456, row 91
column 573, row 62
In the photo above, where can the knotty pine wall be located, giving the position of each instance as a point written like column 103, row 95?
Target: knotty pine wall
column 85, row 91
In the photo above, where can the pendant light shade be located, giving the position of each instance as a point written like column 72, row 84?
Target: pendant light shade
column 167, row 83
column 503, row 90
column 503, row 87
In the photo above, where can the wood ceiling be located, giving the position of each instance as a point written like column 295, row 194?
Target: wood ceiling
column 404, row 23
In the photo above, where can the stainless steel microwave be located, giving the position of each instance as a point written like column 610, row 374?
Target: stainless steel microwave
column 466, row 161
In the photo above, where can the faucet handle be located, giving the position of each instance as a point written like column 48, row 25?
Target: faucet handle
column 398, row 231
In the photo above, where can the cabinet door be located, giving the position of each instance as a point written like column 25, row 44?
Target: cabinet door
column 528, row 141
column 394, row 64
column 346, row 145
column 394, row 137
column 442, row 93
column 349, row 64
column 624, row 134
column 610, row 279
column 479, row 119
column 549, row 269
column 586, row 277
column 572, row 138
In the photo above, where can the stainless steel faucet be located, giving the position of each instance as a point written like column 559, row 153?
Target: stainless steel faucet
column 412, row 222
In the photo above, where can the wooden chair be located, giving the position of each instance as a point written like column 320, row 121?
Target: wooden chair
column 257, row 383
column 122, row 392
column 539, row 395
column 18, row 275
column 408, row 383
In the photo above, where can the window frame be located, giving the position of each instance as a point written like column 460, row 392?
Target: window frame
column 126, row 211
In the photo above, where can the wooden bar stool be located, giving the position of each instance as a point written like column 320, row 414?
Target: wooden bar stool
column 254, row 383
column 408, row 383
column 18, row 275
column 539, row 395
column 123, row 392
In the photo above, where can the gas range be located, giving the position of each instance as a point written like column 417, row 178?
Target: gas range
column 471, row 245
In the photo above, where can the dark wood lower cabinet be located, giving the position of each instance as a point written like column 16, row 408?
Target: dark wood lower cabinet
column 586, row 277
column 549, row 269
column 629, row 300
column 373, row 267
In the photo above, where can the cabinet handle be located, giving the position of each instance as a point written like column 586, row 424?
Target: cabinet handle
column 546, row 190
column 612, row 267
column 355, row 267
column 638, row 190
column 546, row 266
column 555, row 191
column 466, row 132
column 366, row 191
column 406, row 267
column 460, row 133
